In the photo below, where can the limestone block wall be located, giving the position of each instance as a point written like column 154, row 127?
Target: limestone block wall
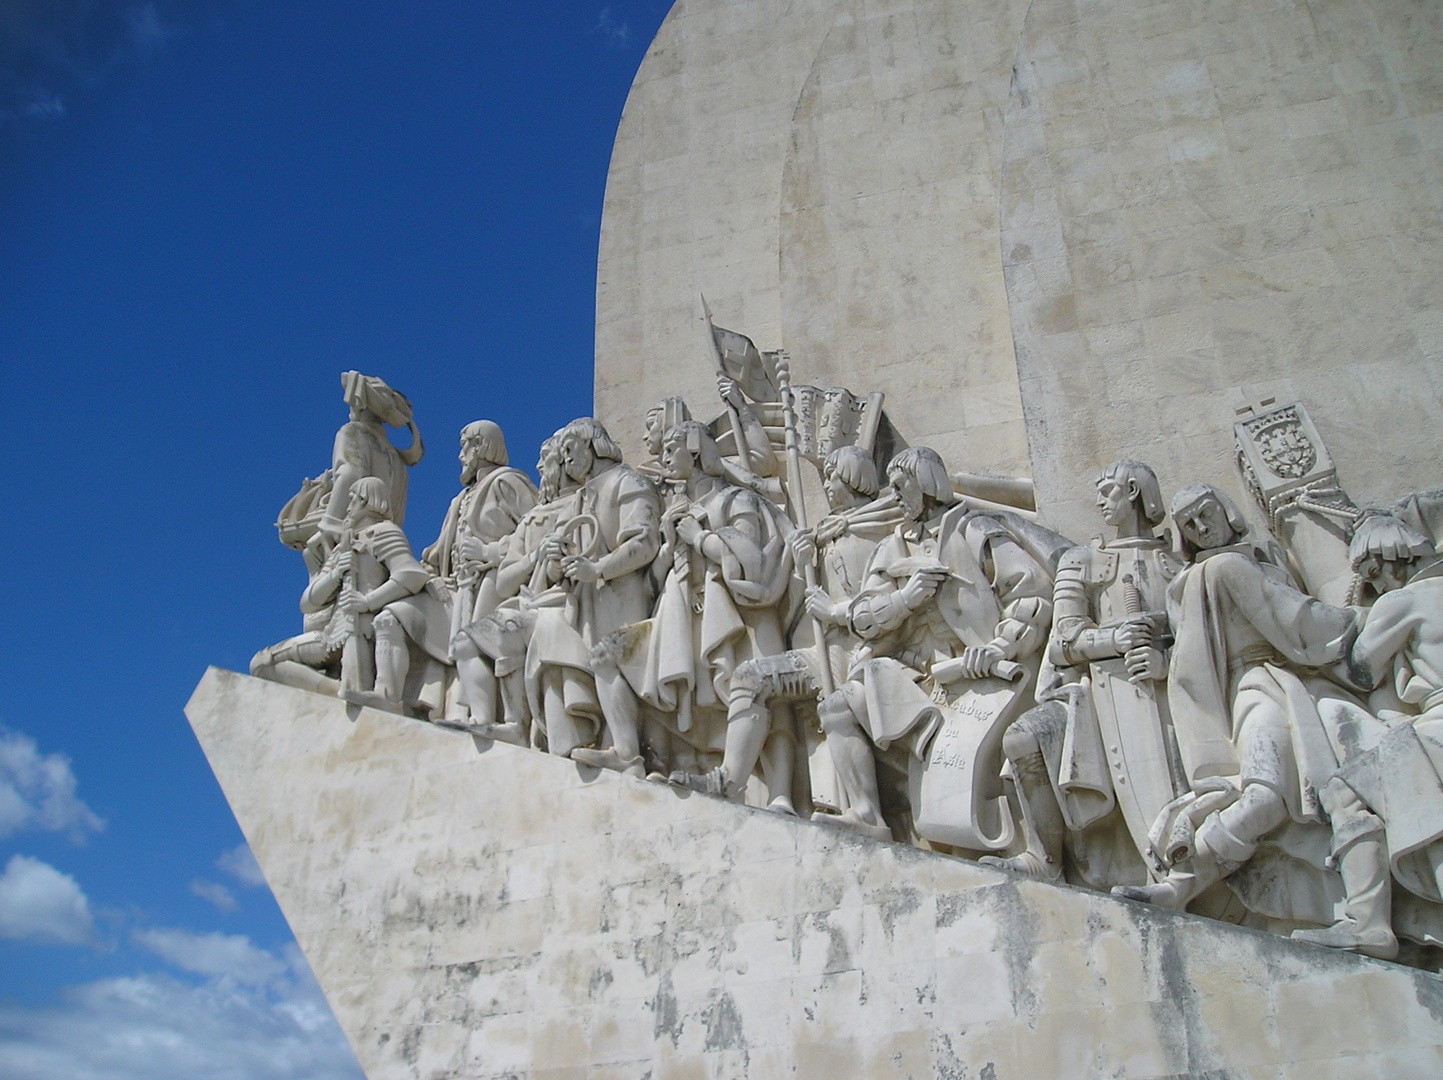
column 476, row 910
column 1052, row 232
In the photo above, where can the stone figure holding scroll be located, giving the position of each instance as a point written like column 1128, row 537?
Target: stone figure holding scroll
column 415, row 633
column 950, row 601
column 727, row 573
column 1095, row 761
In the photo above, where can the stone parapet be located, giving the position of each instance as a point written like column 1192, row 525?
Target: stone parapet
column 478, row 910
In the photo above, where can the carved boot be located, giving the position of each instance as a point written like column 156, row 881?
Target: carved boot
column 716, row 782
column 610, row 759
column 1216, row 854
column 1366, row 926
column 1042, row 824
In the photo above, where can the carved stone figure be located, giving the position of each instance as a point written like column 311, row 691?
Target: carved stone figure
column 948, row 585
column 490, row 651
column 1386, row 802
column 416, row 632
column 1258, row 740
column 607, row 534
column 1096, row 760
column 727, row 570
column 362, row 449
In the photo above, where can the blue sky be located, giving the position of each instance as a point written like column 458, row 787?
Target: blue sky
column 208, row 210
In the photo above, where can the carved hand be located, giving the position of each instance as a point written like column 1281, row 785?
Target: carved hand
column 550, row 549
column 831, row 527
column 731, row 393
column 476, row 550
column 580, row 569
column 820, row 606
column 352, row 601
column 922, row 585
column 1134, row 634
column 979, row 660
column 690, row 530
column 1146, row 664
column 804, row 547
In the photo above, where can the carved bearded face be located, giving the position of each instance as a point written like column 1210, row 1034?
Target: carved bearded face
column 576, row 457
column 1114, row 500
column 908, row 491
column 470, row 458
column 1205, row 524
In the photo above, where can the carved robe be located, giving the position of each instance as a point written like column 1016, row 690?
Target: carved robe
column 627, row 512
column 713, row 616
column 995, row 590
column 1401, row 777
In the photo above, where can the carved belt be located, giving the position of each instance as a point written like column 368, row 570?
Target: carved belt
column 1254, row 655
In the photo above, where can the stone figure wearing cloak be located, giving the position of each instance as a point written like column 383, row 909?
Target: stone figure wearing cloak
column 607, row 534
column 1105, row 668
column 362, row 449
column 1387, row 799
column 490, row 651
column 416, row 633
column 1258, row 740
column 726, row 572
column 948, row 584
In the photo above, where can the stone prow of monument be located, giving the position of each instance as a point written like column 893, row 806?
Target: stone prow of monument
column 1198, row 233
column 475, row 910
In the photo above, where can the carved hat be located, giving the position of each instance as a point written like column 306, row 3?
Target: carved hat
column 1389, row 538
column 1193, row 494
column 374, row 396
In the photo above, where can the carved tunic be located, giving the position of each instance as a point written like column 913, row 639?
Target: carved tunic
column 995, row 593
column 1089, row 600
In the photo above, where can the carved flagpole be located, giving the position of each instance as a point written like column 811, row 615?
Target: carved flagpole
column 799, row 507
column 709, row 329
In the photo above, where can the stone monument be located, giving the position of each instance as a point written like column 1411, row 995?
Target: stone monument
column 793, row 727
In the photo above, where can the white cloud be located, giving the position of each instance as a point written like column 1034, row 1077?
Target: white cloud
column 241, row 864
column 216, row 955
column 155, row 1027
column 614, row 33
column 215, row 893
column 38, row 903
column 37, row 791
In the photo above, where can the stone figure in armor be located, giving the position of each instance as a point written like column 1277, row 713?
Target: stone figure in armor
column 947, row 585
column 413, row 635
column 1095, row 761
column 606, row 536
column 370, row 566
column 1386, row 802
column 362, row 449
column 1260, row 730
column 490, row 650
column 726, row 572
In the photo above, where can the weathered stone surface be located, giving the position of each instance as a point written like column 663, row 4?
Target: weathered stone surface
column 478, row 910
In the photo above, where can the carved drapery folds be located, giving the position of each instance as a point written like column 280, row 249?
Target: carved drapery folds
column 1190, row 713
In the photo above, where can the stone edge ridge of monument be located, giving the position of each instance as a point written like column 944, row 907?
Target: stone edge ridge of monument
column 393, row 969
